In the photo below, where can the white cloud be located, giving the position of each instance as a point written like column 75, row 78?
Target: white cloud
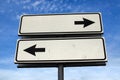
column 2, row 11
column 112, row 44
column 76, row 73
column 52, row 6
column 28, row 74
column 8, row 1
column 5, row 61
column 19, row 15
column 41, row 6
column 26, row 1
column 27, row 7
column 114, row 62
column 18, row 2
column 108, row 72
column 92, row 73
column 36, row 3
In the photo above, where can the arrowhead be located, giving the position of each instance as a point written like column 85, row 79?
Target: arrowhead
column 87, row 22
column 31, row 50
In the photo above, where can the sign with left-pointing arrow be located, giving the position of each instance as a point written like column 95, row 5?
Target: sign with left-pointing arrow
column 68, row 50
column 56, row 24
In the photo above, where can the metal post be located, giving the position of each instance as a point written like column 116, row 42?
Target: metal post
column 60, row 72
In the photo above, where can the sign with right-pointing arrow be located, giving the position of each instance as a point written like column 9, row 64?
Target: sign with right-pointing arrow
column 50, row 24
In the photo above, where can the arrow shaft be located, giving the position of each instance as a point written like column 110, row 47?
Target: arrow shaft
column 79, row 22
column 39, row 49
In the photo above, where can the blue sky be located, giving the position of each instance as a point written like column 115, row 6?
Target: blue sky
column 10, row 12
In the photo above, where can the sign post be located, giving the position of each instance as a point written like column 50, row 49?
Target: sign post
column 60, row 72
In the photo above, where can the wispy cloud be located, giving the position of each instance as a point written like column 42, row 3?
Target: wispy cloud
column 17, row 8
column 112, row 45
column 26, row 1
column 36, row 3
column 28, row 74
column 18, row 16
column 5, row 61
column 18, row 2
column 92, row 73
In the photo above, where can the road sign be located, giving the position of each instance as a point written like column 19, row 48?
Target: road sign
column 67, row 50
column 51, row 24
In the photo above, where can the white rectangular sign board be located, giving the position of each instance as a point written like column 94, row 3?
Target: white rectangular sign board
column 49, row 24
column 60, row 50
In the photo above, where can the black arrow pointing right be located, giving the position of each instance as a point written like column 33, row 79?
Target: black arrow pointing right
column 85, row 22
column 32, row 50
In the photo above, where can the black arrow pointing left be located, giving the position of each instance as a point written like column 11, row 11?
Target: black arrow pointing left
column 33, row 49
